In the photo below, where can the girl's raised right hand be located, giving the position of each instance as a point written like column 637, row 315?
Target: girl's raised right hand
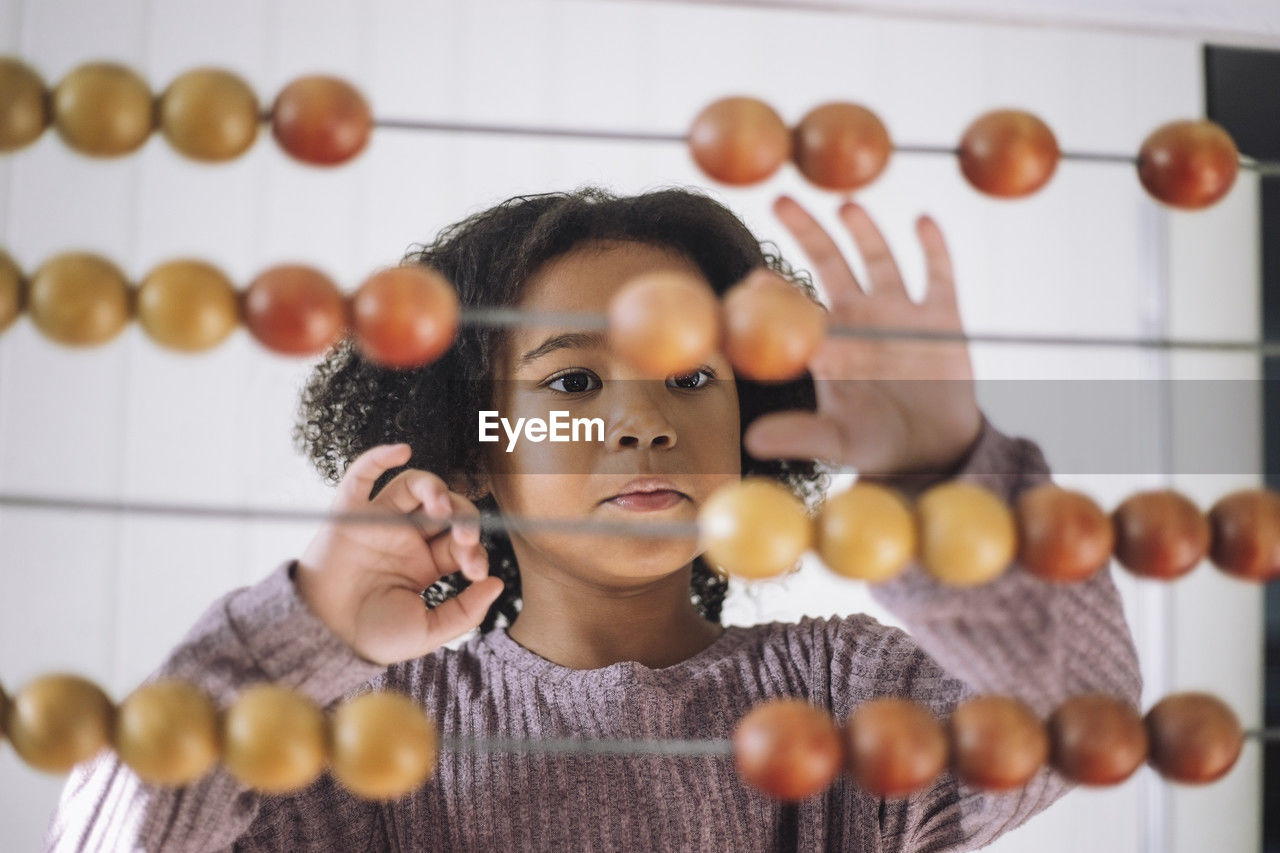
column 364, row 580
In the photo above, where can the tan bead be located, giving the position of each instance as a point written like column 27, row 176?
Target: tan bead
column 664, row 323
column 1245, row 534
column 79, row 299
column 866, row 533
column 10, row 291
column 404, row 317
column 103, row 109
column 1063, row 535
column 209, row 114
column 997, row 742
column 771, row 327
column 167, row 731
column 187, row 305
column 58, row 721
column 739, row 141
column 1160, row 534
column 1195, row 737
column 1008, row 153
column 274, row 740
column 967, row 534
column 756, row 528
column 384, row 745
column 788, row 749
column 895, row 746
column 1097, row 739
column 841, row 146
column 24, row 105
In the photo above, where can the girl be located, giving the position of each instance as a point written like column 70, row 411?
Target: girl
column 595, row 636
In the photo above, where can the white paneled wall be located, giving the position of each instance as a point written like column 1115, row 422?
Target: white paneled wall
column 107, row 596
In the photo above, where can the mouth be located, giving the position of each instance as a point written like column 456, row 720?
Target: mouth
column 651, row 501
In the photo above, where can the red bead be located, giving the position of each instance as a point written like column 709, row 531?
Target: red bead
column 405, row 316
column 1160, row 534
column 841, row 146
column 295, row 310
column 788, row 749
column 1245, row 534
column 896, row 747
column 997, row 742
column 739, row 141
column 321, row 120
column 1188, row 164
column 1195, row 738
column 1063, row 536
column 1097, row 739
column 1008, row 153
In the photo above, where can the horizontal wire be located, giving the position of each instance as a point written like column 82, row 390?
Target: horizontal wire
column 603, row 746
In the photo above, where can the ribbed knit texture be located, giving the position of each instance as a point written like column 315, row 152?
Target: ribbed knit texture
column 1016, row 635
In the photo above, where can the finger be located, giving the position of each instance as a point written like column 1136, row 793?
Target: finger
column 463, row 612
column 357, row 483
column 465, row 519
column 833, row 270
column 882, row 269
column 421, row 495
column 449, row 556
column 797, row 435
column 942, row 286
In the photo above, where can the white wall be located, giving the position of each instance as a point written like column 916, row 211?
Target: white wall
column 106, row 596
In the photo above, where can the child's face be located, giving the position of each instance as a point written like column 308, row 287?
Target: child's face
column 684, row 429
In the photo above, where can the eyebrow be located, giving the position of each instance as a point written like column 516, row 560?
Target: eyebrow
column 568, row 340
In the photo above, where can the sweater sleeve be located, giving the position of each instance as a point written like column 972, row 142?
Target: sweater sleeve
column 1017, row 635
column 263, row 632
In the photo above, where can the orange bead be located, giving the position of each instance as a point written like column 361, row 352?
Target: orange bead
column 664, row 323
column 1097, row 739
column 384, row 746
column 967, row 534
column 1062, row 534
column 405, row 316
column 1245, row 534
column 187, row 305
column 295, row 310
column 866, row 533
column 841, row 146
column 79, row 299
column 756, row 528
column 10, row 291
column 997, row 742
column 771, row 327
column 739, row 141
column 209, row 114
column 321, row 120
column 58, row 721
column 788, row 749
column 167, row 731
column 1195, row 738
column 1188, row 164
column 1160, row 534
column 274, row 740
column 103, row 109
column 24, row 108
column 895, row 746
column 1008, row 153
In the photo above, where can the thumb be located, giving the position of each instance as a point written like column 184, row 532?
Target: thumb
column 797, row 435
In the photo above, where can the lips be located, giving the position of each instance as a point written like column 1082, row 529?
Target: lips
column 647, row 501
column 644, row 486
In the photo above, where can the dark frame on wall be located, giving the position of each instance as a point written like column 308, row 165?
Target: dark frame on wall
column 1242, row 93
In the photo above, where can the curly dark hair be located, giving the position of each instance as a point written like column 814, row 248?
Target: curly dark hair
column 349, row 405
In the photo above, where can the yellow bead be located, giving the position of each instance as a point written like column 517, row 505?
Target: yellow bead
column 209, row 114
column 103, row 109
column 756, row 528
column 384, row 746
column 187, row 305
column 167, row 731
column 866, row 533
column 58, row 721
column 79, row 299
column 24, row 109
column 10, row 291
column 968, row 536
column 274, row 740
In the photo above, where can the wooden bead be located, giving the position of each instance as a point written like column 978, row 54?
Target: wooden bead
column 321, row 120
column 384, row 746
column 841, row 146
column 209, row 114
column 58, row 721
column 1188, row 164
column 771, row 327
column 788, row 749
column 1160, row 534
column 1097, row 739
column 664, row 323
column 24, row 105
column 1245, row 534
column 1195, row 738
column 4, row 712
column 756, row 528
column 10, row 291
column 967, row 534
column 895, row 746
column 1008, row 153
column 405, row 316
column 167, row 731
column 187, row 305
column 739, row 141
column 866, row 533
column 103, row 109
column 1063, row 535
column 997, row 742
column 295, row 310
column 79, row 299
column 274, row 740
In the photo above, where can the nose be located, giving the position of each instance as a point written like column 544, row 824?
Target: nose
column 639, row 423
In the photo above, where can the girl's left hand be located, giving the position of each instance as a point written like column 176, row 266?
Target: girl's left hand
column 874, row 412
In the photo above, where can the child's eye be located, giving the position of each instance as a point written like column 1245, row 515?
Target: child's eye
column 702, row 371
column 575, row 380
